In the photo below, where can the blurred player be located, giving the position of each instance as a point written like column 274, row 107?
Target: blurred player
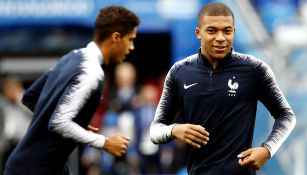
column 216, row 92
column 65, row 98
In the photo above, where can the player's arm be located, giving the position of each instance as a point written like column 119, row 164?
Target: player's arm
column 162, row 129
column 162, row 124
column 73, row 99
column 276, row 103
column 273, row 99
column 32, row 94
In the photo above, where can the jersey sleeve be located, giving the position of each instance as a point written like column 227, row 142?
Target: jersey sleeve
column 274, row 100
column 32, row 94
column 71, row 102
column 162, row 125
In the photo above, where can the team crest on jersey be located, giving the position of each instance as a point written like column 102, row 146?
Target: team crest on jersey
column 233, row 87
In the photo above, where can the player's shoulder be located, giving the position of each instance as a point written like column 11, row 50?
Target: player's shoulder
column 249, row 60
column 185, row 61
column 259, row 66
column 180, row 64
column 78, row 64
column 245, row 57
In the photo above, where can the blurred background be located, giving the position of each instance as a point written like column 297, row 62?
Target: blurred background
column 34, row 34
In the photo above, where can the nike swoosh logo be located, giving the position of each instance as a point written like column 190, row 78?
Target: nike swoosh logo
column 188, row 86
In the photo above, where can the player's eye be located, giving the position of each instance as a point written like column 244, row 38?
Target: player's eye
column 210, row 30
column 228, row 31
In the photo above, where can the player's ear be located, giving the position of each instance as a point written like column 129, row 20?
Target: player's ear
column 197, row 32
column 116, row 36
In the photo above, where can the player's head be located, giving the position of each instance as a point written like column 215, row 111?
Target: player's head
column 215, row 30
column 117, row 26
column 214, row 9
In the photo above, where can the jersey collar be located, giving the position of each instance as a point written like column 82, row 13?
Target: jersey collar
column 95, row 51
column 222, row 62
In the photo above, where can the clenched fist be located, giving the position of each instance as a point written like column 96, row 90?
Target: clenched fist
column 116, row 145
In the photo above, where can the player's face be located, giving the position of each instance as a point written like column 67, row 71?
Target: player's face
column 124, row 46
column 216, row 34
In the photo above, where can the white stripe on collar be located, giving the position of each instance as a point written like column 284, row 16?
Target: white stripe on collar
column 95, row 51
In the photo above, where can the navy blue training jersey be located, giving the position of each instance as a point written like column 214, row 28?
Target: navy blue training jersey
column 224, row 101
column 63, row 102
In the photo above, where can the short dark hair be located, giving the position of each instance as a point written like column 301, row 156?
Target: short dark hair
column 214, row 9
column 114, row 19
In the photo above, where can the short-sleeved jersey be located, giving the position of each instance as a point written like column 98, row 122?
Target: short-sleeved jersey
column 224, row 101
column 63, row 101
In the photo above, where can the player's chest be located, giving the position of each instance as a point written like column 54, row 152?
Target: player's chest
column 218, row 85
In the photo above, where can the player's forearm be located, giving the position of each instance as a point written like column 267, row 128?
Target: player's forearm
column 71, row 130
column 161, row 127
column 161, row 133
column 281, row 129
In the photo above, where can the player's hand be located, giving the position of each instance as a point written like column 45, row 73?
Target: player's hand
column 116, row 145
column 195, row 135
column 254, row 158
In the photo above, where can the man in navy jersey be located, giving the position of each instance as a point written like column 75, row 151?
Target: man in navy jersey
column 64, row 99
column 215, row 93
